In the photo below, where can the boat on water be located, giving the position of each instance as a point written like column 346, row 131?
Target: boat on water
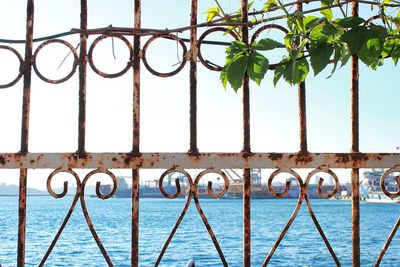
column 371, row 189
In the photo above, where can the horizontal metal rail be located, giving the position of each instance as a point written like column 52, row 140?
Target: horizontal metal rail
column 199, row 161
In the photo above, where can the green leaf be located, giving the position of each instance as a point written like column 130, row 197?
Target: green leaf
column 320, row 54
column 298, row 15
column 269, row 5
column 236, row 70
column 257, row 67
column 327, row 13
column 300, row 71
column 388, row 47
column 327, row 2
column 354, row 38
column 310, row 22
column 295, row 71
column 349, row 22
column 318, row 35
column 278, row 74
column 345, row 54
column 266, row 44
column 223, row 76
column 289, row 38
column 338, row 51
column 396, row 52
column 329, row 30
column 372, row 47
column 235, row 48
column 212, row 13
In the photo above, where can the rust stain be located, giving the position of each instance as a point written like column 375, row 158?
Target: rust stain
column 127, row 160
column 341, row 158
column 275, row 156
column 2, row 160
column 304, row 158
column 360, row 157
column 247, row 154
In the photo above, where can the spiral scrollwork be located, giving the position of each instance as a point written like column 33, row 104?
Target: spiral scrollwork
column 210, row 190
column 323, row 169
column 61, row 195
column 391, row 195
column 177, row 182
column 74, row 65
column 98, row 184
column 193, row 192
column 21, row 61
column 287, row 185
column 101, row 196
column 303, row 194
column 65, row 184
column 383, row 186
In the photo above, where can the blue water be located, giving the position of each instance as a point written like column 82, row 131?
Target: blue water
column 302, row 245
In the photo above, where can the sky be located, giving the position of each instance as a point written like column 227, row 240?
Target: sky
column 165, row 101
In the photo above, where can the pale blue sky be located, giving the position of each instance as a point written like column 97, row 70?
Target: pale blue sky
column 165, row 102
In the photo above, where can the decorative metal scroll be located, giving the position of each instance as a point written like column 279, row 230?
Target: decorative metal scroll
column 390, row 195
column 80, row 195
column 303, row 194
column 193, row 193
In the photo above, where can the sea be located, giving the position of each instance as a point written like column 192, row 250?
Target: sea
column 301, row 246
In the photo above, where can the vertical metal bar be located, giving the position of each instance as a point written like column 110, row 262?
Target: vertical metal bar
column 135, row 219
column 27, row 78
column 136, row 135
column 246, row 150
column 82, row 80
column 303, row 117
column 246, row 218
column 25, row 133
column 23, row 174
column 193, row 79
column 302, row 107
column 355, row 181
column 136, row 78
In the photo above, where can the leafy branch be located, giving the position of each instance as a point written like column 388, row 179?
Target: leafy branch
column 312, row 41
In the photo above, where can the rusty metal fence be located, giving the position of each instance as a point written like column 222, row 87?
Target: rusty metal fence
column 179, row 162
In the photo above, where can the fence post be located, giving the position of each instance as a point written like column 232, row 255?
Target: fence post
column 355, row 174
column 25, row 133
column 136, row 135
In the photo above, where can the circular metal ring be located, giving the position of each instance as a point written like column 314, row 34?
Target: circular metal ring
column 206, row 63
column 268, row 27
column 21, row 61
column 382, row 183
column 75, row 64
column 112, row 75
column 170, row 37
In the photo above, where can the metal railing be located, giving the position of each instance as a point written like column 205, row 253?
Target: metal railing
column 178, row 162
